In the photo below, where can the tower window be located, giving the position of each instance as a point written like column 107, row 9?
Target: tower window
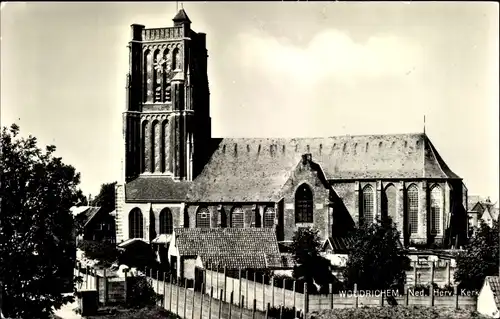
column 166, row 222
column 203, row 218
column 269, row 216
column 135, row 224
column 304, row 204
column 237, row 218
column 412, row 204
column 367, row 205
column 436, row 209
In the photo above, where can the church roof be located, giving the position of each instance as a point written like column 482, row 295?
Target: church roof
column 231, row 247
column 255, row 169
column 156, row 189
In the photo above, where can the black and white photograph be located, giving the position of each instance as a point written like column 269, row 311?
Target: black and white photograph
column 249, row 160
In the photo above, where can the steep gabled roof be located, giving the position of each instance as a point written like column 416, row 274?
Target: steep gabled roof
column 494, row 283
column 181, row 16
column 86, row 213
column 254, row 169
column 231, row 247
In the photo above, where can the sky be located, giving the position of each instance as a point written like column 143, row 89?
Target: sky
column 276, row 69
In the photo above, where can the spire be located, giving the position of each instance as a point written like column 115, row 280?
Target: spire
column 424, row 123
column 181, row 16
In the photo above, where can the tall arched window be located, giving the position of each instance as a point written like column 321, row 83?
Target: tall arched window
column 412, row 206
column 368, row 204
column 304, row 204
column 269, row 216
column 203, row 218
column 166, row 223
column 436, row 209
column 135, row 224
column 144, row 149
column 238, row 218
column 388, row 204
column 152, row 225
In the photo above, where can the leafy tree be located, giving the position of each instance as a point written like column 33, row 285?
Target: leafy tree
column 376, row 260
column 37, row 250
column 106, row 197
column 479, row 259
column 311, row 266
column 105, row 252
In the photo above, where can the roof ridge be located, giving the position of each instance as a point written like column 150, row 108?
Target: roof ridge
column 318, row 137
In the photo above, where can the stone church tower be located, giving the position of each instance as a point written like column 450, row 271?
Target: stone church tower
column 167, row 119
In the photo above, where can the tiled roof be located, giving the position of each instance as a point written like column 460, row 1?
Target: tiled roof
column 156, row 188
column 86, row 213
column 234, row 247
column 338, row 244
column 255, row 169
column 494, row 282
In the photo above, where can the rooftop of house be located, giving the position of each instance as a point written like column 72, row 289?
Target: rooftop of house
column 85, row 213
column 255, row 169
column 234, row 248
column 494, row 283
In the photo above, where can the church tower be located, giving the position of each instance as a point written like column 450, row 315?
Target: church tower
column 166, row 125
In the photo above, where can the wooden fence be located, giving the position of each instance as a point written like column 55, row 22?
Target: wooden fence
column 222, row 296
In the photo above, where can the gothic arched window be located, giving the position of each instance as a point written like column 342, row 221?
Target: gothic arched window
column 436, row 209
column 135, row 224
column 389, row 202
column 269, row 216
column 203, row 218
column 412, row 208
column 304, row 204
column 238, row 218
column 166, row 222
column 368, row 204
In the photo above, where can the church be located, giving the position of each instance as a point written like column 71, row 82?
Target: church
column 176, row 175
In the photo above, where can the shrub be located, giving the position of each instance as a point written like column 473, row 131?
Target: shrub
column 104, row 252
column 286, row 313
column 141, row 293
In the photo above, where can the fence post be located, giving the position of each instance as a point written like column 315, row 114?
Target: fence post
column 242, row 306
column 414, row 273
column 431, row 293
column 255, row 286
column 178, row 284
column 230, row 303
column 194, row 294
column 105, row 288
column 281, row 312
column 171, row 292
column 432, row 272
column 225, row 283
column 125, row 286
column 355, row 295
column 96, row 281
column 87, row 277
column 306, row 301
column 185, row 295
column 157, row 281
column 239, row 288
column 382, row 299
column 210, row 301
column 254, row 308
column 201, row 303
column 407, row 295
column 217, row 283
column 220, row 303
column 246, row 287
column 211, row 276
column 284, row 292
column 164, row 290
column 263, row 292
column 448, row 273
column 267, row 310
column 272, row 291
column 330, row 290
column 455, row 290
column 294, row 294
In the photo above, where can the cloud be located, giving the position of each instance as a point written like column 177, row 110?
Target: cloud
column 331, row 53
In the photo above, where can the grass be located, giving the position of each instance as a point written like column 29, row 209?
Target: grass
column 398, row 312
column 127, row 313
